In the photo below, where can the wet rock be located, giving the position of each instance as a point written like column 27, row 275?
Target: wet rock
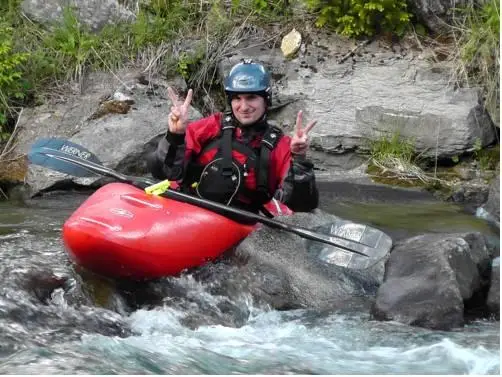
column 35, row 311
column 34, row 323
column 493, row 300
column 12, row 169
column 42, row 284
column 280, row 269
column 429, row 277
column 474, row 193
column 492, row 205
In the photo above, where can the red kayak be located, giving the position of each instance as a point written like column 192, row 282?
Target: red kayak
column 120, row 231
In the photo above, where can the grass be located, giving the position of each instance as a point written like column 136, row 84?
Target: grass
column 395, row 160
column 476, row 32
column 488, row 158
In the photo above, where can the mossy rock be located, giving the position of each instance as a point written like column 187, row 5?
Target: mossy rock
column 13, row 170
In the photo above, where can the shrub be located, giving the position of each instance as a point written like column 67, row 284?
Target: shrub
column 12, row 87
column 73, row 44
column 356, row 18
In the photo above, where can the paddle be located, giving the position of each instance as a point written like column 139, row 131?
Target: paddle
column 70, row 158
column 48, row 152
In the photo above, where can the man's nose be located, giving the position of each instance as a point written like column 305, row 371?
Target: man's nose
column 244, row 104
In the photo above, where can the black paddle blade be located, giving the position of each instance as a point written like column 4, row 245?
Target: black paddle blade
column 42, row 153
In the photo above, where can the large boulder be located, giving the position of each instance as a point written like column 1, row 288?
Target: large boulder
column 380, row 91
column 95, row 14
column 270, row 269
column 428, row 279
column 286, row 272
column 117, row 118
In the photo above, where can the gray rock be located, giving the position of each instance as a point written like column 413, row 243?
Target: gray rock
column 437, row 14
column 280, row 269
column 356, row 102
column 120, row 140
column 95, row 14
column 492, row 205
column 428, row 278
column 493, row 300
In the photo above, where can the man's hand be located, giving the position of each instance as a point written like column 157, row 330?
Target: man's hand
column 178, row 117
column 300, row 140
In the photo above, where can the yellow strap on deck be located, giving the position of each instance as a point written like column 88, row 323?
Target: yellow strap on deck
column 158, row 188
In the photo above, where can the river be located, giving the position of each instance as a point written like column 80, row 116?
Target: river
column 55, row 319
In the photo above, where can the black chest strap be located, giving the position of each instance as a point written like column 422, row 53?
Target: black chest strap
column 227, row 133
column 268, row 143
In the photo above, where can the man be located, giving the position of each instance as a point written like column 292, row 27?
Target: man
column 238, row 158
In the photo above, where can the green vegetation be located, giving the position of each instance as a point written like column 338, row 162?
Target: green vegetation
column 188, row 63
column 477, row 33
column 395, row 146
column 356, row 18
column 12, row 86
column 72, row 46
column 394, row 160
column 487, row 158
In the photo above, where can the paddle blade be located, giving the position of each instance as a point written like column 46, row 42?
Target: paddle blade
column 42, row 153
column 374, row 243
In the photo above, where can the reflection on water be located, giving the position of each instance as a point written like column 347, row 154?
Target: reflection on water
column 412, row 218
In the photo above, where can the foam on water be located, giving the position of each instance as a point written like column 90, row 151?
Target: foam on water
column 296, row 342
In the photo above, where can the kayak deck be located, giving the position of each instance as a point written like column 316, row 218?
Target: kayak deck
column 120, row 231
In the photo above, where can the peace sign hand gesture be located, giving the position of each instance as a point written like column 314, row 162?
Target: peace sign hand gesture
column 300, row 140
column 178, row 117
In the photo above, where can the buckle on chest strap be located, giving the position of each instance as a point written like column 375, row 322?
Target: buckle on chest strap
column 271, row 137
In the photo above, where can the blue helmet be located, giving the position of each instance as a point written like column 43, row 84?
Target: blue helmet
column 249, row 77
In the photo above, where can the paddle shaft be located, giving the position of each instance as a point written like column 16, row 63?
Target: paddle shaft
column 223, row 209
column 204, row 203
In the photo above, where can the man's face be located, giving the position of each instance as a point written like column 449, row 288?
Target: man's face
column 248, row 108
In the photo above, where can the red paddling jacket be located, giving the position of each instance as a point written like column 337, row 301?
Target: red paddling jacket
column 244, row 167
